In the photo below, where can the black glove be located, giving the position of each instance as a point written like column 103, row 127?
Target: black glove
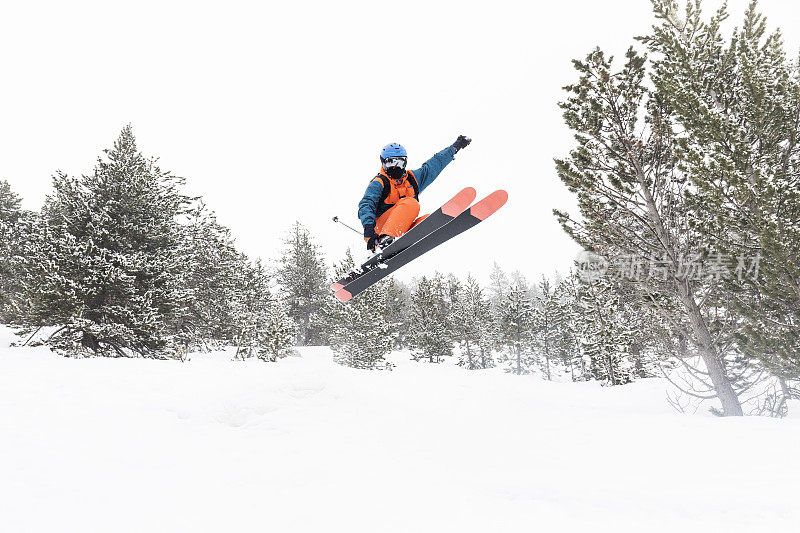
column 371, row 242
column 369, row 236
column 461, row 142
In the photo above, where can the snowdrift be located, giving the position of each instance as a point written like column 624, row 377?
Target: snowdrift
column 306, row 445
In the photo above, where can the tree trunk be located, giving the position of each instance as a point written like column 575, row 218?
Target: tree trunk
column 786, row 390
column 547, row 358
column 469, row 353
column 547, row 365
column 716, row 372
column 306, row 329
column 636, row 354
column 612, row 380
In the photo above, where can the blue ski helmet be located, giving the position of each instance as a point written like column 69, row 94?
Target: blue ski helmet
column 393, row 150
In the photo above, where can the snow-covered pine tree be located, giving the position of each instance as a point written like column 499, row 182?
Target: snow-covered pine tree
column 9, row 204
column 642, row 329
column 566, row 321
column 261, row 325
column 473, row 326
column 214, row 272
column 515, row 323
column 518, row 279
column 358, row 332
column 11, row 236
column 605, row 333
column 104, row 266
column 735, row 103
column 647, row 329
column 632, row 191
column 498, row 286
column 545, row 328
column 398, row 301
column 278, row 333
column 489, row 340
column 302, row 276
column 430, row 324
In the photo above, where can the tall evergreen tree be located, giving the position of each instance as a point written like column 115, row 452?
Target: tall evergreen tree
column 302, row 277
column 515, row 323
column 566, row 321
column 260, row 324
column 358, row 332
column 11, row 237
column 498, row 286
column 646, row 331
column 736, row 101
column 105, row 263
column 217, row 276
column 398, row 301
column 605, row 334
column 545, row 327
column 473, row 326
column 632, row 194
column 430, row 326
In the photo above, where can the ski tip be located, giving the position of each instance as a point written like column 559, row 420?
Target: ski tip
column 336, row 286
column 489, row 205
column 343, row 295
column 460, row 202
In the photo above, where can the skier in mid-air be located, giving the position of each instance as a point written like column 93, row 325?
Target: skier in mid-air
column 390, row 206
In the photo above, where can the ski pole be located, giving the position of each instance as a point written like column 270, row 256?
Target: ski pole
column 336, row 219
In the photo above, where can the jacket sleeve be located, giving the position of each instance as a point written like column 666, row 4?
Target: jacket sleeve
column 368, row 205
column 433, row 166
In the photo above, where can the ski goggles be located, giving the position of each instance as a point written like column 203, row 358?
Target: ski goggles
column 391, row 162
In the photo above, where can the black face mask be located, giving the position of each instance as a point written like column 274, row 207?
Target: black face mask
column 395, row 172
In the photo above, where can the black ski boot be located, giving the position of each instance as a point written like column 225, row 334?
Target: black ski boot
column 382, row 242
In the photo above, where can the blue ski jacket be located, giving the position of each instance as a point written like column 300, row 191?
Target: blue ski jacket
column 425, row 175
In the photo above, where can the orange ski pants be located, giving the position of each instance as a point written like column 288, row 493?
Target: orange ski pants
column 400, row 218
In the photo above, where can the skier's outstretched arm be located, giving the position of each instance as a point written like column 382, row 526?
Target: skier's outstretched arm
column 431, row 169
column 368, row 207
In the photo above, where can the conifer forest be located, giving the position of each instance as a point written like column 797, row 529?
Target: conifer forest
column 575, row 400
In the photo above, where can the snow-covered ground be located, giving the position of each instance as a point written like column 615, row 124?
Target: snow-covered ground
column 306, row 445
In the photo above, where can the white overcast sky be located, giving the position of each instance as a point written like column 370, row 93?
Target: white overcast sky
column 276, row 111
